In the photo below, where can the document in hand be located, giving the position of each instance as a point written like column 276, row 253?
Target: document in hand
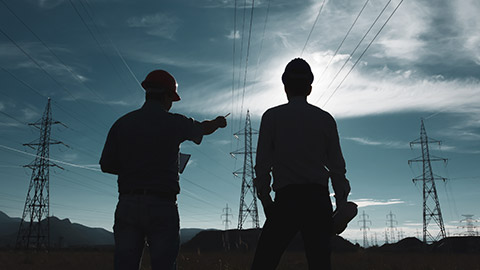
column 182, row 161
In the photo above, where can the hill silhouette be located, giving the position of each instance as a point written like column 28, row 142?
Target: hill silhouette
column 246, row 240
column 64, row 233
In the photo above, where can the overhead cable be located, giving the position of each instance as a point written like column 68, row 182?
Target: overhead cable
column 55, row 55
column 246, row 60
column 343, row 40
column 364, row 51
column 356, row 47
column 313, row 27
column 96, row 40
column 138, row 84
column 51, row 159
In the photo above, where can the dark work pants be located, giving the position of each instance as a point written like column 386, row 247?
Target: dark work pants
column 297, row 208
column 140, row 217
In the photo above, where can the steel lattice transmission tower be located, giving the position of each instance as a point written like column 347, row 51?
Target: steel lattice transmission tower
column 248, row 198
column 432, row 231
column 227, row 214
column 364, row 228
column 391, row 222
column 34, row 231
column 470, row 228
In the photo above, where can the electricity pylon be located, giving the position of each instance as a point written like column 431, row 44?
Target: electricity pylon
column 470, row 228
column 391, row 222
column 248, row 198
column 226, row 214
column 33, row 232
column 364, row 228
column 431, row 205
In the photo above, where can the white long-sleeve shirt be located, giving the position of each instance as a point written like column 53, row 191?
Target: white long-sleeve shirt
column 298, row 142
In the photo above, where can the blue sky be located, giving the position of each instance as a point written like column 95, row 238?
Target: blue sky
column 88, row 56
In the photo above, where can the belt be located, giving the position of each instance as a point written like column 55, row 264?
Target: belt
column 159, row 194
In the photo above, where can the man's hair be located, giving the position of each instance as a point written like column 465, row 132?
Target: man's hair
column 297, row 78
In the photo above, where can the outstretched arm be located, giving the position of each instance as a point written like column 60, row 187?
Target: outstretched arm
column 210, row 126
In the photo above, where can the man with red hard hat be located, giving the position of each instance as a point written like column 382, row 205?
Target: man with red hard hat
column 142, row 148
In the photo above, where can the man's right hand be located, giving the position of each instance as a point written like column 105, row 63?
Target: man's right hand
column 210, row 126
column 342, row 189
column 221, row 121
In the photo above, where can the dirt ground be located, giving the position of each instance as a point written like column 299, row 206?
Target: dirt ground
column 103, row 259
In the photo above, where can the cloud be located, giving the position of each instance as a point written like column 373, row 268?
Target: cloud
column 29, row 114
column 17, row 60
column 232, row 36
column 2, row 107
column 402, row 40
column 159, row 24
column 159, row 58
column 373, row 202
column 387, row 144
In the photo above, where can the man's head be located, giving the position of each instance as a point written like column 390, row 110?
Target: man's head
column 297, row 78
column 161, row 85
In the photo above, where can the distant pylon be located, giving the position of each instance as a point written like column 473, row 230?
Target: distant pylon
column 226, row 214
column 431, row 205
column 248, row 199
column 470, row 228
column 391, row 222
column 33, row 232
column 364, row 228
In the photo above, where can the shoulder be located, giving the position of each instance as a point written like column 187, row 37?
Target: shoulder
column 125, row 118
column 274, row 110
column 322, row 114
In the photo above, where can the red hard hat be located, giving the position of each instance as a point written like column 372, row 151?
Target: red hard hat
column 161, row 80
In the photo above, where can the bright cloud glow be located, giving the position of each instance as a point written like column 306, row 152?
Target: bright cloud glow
column 232, row 36
column 387, row 144
column 373, row 202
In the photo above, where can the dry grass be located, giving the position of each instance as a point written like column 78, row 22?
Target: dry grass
column 103, row 259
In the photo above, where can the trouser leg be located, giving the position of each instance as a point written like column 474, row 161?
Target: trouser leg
column 274, row 239
column 129, row 239
column 163, row 235
column 316, row 230
column 317, row 248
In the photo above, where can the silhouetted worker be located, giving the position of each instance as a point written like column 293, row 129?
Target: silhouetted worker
column 142, row 148
column 298, row 143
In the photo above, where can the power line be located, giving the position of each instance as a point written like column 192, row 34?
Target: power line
column 53, row 102
column 46, row 72
column 55, row 55
column 233, row 65
column 364, row 51
column 341, row 43
column 39, row 66
column 12, row 117
column 138, row 84
column 96, row 40
column 261, row 42
column 313, row 27
column 51, row 159
column 203, row 188
column 248, row 53
column 358, row 45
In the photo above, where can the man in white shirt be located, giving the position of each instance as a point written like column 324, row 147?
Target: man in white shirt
column 298, row 143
